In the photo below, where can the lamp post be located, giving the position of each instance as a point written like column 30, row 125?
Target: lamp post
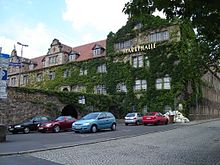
column 22, row 45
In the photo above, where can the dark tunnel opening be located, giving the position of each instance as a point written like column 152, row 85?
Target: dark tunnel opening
column 69, row 110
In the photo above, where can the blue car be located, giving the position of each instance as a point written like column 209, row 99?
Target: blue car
column 95, row 121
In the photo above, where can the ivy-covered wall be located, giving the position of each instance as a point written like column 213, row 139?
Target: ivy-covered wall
column 178, row 57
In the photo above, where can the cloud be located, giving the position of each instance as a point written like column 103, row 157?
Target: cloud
column 38, row 38
column 100, row 15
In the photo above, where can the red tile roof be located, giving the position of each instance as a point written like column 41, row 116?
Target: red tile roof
column 85, row 51
column 38, row 61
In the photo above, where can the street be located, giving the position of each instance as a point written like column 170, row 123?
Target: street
column 193, row 144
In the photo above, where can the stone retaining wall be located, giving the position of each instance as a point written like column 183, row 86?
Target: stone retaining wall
column 21, row 105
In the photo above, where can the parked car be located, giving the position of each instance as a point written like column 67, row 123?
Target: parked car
column 28, row 125
column 155, row 118
column 95, row 121
column 61, row 123
column 133, row 118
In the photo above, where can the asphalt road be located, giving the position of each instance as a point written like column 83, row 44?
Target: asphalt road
column 19, row 143
column 193, row 144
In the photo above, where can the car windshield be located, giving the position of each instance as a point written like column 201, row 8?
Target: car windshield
column 60, row 118
column 150, row 114
column 90, row 116
column 130, row 115
column 27, row 120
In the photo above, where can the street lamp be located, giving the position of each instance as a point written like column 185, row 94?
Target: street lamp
column 22, row 45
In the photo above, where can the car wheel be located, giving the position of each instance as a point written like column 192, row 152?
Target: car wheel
column 126, row 124
column 158, row 122
column 94, row 129
column 113, row 127
column 56, row 128
column 26, row 130
column 166, row 122
column 137, row 123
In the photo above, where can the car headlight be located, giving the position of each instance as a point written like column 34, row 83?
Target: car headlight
column 86, row 124
column 18, row 126
column 49, row 124
column 73, row 124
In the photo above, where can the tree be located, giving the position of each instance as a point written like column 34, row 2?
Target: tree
column 203, row 14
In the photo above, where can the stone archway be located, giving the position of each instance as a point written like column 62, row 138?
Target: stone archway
column 65, row 90
column 70, row 110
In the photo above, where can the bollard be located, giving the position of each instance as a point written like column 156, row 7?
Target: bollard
column 2, row 133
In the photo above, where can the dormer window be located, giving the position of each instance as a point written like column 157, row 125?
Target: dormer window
column 31, row 66
column 97, row 50
column 73, row 56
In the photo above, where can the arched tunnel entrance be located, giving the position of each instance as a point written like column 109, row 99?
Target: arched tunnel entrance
column 70, row 110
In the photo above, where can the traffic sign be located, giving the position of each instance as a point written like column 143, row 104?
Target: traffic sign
column 4, row 74
column 2, row 55
column 15, row 64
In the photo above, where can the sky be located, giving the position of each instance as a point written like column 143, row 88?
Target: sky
column 73, row 22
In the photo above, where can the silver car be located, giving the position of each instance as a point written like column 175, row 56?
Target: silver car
column 133, row 118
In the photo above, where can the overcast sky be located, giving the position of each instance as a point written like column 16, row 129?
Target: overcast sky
column 73, row 22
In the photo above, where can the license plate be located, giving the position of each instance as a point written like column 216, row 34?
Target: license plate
column 41, row 128
column 11, row 129
column 78, row 127
column 148, row 118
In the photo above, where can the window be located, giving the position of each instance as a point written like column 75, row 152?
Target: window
column 53, row 60
column 166, row 82
column 25, row 79
column 123, row 45
column 31, row 66
column 66, row 73
column 147, row 62
column 83, row 71
column 163, row 83
column 39, row 77
column 100, row 89
column 102, row 116
column 79, row 88
column 137, row 61
column 51, row 75
column 97, row 50
column 159, row 36
column 13, row 81
column 140, row 85
column 121, row 87
column 73, row 56
column 43, row 63
column 159, row 83
column 102, row 69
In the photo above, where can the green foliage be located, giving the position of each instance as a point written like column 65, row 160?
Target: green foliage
column 51, row 109
column 178, row 58
column 204, row 16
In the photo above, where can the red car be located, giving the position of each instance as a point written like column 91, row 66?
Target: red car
column 61, row 123
column 155, row 118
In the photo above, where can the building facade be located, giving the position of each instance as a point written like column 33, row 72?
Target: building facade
column 150, row 64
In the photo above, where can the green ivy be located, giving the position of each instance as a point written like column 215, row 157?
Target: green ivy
column 180, row 60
